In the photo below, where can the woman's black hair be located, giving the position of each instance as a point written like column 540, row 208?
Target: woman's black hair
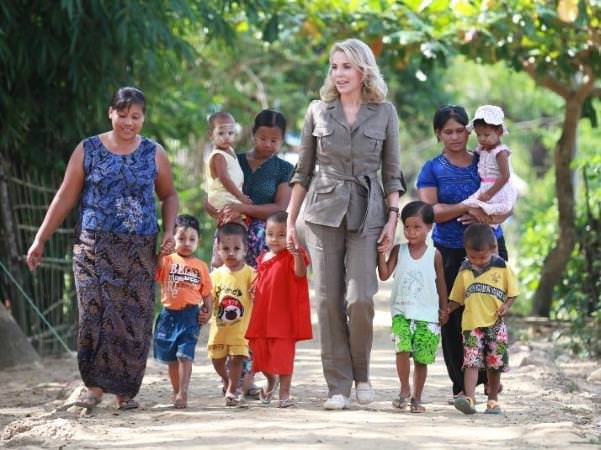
column 418, row 209
column 187, row 221
column 447, row 112
column 127, row 96
column 270, row 118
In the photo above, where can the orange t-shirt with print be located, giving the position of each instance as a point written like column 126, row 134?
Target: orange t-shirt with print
column 184, row 281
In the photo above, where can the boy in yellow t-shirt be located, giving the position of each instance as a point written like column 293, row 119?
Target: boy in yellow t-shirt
column 232, row 283
column 487, row 288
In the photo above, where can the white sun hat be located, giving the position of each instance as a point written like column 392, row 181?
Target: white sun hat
column 491, row 115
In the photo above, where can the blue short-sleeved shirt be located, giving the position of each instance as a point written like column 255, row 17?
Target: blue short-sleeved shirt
column 454, row 184
column 262, row 184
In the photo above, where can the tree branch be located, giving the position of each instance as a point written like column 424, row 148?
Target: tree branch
column 585, row 89
column 546, row 81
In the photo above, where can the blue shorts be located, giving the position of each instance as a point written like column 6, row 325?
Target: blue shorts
column 176, row 334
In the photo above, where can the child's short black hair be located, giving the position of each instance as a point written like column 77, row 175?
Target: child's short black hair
column 418, row 208
column 220, row 115
column 479, row 236
column 187, row 221
column 278, row 217
column 232, row 229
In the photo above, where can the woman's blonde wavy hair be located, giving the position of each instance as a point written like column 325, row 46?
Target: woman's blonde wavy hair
column 373, row 86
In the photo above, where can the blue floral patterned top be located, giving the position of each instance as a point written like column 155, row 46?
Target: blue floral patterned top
column 262, row 184
column 118, row 193
column 454, row 184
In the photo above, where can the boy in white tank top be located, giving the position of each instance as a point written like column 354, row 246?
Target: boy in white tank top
column 418, row 301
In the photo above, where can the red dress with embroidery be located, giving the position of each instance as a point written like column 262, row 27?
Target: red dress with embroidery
column 281, row 314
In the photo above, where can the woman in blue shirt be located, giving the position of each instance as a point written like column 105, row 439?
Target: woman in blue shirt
column 444, row 182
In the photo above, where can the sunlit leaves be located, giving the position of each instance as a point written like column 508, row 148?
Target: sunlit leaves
column 567, row 10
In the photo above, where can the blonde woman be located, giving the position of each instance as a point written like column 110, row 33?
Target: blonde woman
column 348, row 136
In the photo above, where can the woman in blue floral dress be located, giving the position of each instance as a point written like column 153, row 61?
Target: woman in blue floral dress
column 114, row 176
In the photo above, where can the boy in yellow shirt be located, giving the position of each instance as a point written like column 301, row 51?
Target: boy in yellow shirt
column 487, row 288
column 232, row 283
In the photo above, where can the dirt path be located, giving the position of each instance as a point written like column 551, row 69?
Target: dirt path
column 543, row 408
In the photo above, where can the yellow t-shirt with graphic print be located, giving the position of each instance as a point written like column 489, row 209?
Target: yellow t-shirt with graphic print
column 484, row 292
column 232, row 305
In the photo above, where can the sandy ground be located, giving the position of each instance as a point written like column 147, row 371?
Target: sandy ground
column 547, row 403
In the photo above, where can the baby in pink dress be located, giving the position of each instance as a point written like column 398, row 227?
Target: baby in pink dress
column 496, row 195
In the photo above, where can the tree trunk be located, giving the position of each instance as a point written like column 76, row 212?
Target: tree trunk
column 557, row 259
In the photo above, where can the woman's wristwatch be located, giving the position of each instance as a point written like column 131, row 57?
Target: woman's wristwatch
column 393, row 209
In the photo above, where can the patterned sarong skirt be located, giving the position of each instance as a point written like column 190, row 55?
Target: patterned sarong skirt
column 114, row 279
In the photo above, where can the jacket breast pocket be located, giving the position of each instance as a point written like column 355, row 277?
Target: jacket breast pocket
column 373, row 139
column 324, row 136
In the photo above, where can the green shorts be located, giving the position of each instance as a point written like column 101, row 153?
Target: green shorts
column 418, row 337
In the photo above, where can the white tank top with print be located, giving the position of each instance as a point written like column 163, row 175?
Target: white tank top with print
column 414, row 293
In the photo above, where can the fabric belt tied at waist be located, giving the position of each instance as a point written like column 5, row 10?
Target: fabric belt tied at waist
column 366, row 181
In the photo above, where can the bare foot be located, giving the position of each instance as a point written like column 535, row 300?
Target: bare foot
column 181, row 401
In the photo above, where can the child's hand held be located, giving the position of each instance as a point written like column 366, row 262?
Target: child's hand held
column 203, row 315
column 168, row 244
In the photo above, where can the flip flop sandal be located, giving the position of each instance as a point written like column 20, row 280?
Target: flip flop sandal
column 286, row 403
column 492, row 407
column 417, row 407
column 265, row 397
column 87, row 400
column 451, row 401
column 465, row 405
column 232, row 400
column 400, row 401
column 128, row 404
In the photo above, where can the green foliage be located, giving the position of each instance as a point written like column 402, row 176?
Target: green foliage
column 59, row 64
column 61, row 61
column 578, row 295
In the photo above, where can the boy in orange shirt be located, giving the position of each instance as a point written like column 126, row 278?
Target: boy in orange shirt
column 185, row 283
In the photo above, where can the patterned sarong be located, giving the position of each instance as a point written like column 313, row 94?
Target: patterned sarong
column 114, row 278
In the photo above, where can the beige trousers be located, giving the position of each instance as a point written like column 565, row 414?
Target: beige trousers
column 344, row 280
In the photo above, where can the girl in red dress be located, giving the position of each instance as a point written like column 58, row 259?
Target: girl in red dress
column 281, row 314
